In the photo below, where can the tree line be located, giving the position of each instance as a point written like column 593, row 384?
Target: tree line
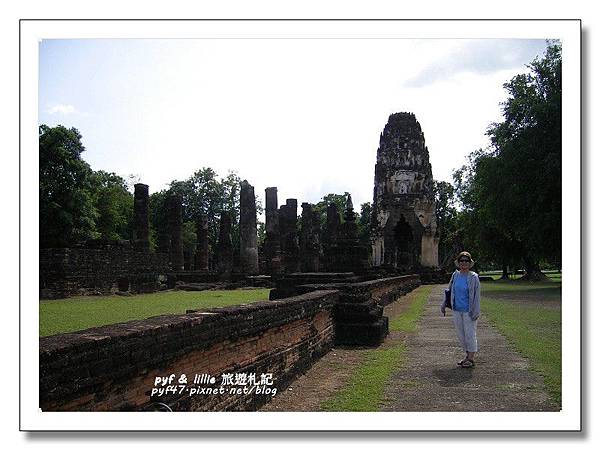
column 505, row 202
column 78, row 203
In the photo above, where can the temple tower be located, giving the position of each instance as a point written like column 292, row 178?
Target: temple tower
column 404, row 222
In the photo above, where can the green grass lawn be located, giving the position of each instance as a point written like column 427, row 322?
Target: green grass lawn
column 528, row 314
column 364, row 391
column 79, row 313
column 496, row 274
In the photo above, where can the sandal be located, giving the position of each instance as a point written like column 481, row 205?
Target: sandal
column 468, row 363
column 460, row 363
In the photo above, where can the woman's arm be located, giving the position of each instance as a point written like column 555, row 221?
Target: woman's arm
column 443, row 305
column 476, row 299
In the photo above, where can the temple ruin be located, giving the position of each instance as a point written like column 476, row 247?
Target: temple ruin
column 272, row 247
column 310, row 247
column 175, row 232
column 404, row 233
column 225, row 245
column 248, row 237
column 404, row 236
column 202, row 249
column 324, row 290
column 141, row 230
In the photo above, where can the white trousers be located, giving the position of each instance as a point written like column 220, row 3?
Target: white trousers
column 466, row 330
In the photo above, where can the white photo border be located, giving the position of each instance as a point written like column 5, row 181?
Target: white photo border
column 567, row 31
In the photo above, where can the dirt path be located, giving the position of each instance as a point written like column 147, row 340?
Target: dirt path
column 431, row 381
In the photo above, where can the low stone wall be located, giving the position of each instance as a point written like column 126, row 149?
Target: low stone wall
column 79, row 271
column 114, row 368
column 435, row 277
column 287, row 285
column 358, row 312
column 387, row 290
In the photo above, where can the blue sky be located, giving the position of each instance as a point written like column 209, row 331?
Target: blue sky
column 300, row 114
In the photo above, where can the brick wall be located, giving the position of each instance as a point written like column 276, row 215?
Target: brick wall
column 113, row 368
column 79, row 271
column 358, row 313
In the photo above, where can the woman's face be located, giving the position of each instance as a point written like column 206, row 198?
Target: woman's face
column 464, row 263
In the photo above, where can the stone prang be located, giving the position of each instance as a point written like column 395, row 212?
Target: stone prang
column 404, row 233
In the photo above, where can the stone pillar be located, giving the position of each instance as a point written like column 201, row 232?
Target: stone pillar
column 248, row 236
column 164, row 243
column 141, row 240
column 225, row 245
column 163, row 237
column 175, row 221
column 288, row 222
column 202, row 247
column 330, row 237
column 309, row 240
column 348, row 254
column 349, row 229
column 187, row 260
column 272, row 238
column 333, row 223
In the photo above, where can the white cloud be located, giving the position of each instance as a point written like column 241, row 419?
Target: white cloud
column 483, row 57
column 62, row 109
column 302, row 115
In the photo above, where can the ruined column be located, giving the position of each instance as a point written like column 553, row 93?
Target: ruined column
column 164, row 243
column 309, row 240
column 288, row 222
column 187, row 260
column 348, row 254
column 248, row 236
column 349, row 229
column 330, row 236
column 272, row 244
column 202, row 247
column 141, row 240
column 225, row 245
column 175, row 222
column 333, row 223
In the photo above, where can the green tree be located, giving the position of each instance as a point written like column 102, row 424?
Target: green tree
column 67, row 213
column 527, row 148
column 114, row 205
column 203, row 193
column 157, row 211
column 364, row 223
column 511, row 193
column 189, row 237
column 479, row 227
column 320, row 208
column 261, row 232
column 447, row 222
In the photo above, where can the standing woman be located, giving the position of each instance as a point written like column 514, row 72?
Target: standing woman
column 464, row 297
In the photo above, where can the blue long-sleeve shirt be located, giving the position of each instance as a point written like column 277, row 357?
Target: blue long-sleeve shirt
column 474, row 293
column 461, row 292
